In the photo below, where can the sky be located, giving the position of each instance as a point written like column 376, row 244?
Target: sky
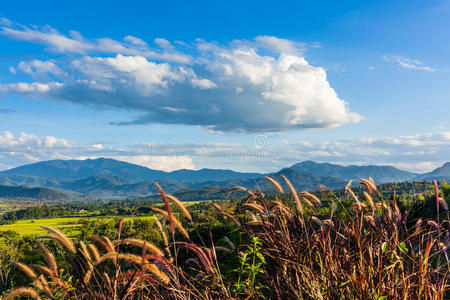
column 242, row 85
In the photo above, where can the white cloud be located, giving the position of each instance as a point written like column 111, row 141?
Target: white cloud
column 225, row 88
column 417, row 153
column 27, row 148
column 26, row 141
column 163, row 43
column 408, row 63
column 161, row 162
column 134, row 40
column 97, row 146
column 76, row 43
column 5, row 21
column 12, row 70
column 203, row 83
column 128, row 72
column 280, row 45
column 34, row 88
column 51, row 37
column 417, row 166
column 38, row 66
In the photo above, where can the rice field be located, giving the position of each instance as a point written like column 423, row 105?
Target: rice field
column 68, row 224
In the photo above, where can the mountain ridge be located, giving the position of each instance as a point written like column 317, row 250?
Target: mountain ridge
column 440, row 173
column 380, row 174
column 35, row 193
column 120, row 179
column 78, row 169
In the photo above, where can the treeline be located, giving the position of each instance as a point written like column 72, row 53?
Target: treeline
column 409, row 195
column 125, row 208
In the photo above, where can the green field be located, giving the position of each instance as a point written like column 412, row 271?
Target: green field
column 24, row 227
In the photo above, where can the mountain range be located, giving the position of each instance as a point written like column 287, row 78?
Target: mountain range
column 77, row 169
column 380, row 174
column 113, row 179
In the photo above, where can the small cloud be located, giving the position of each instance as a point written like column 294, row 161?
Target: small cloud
column 40, row 67
column 97, row 146
column 163, row 43
column 408, row 63
column 5, row 22
column 278, row 44
column 12, row 70
column 203, row 84
column 173, row 109
column 34, row 88
column 371, row 68
column 29, row 141
column 134, row 40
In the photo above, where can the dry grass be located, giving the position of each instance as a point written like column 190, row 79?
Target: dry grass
column 374, row 252
column 22, row 291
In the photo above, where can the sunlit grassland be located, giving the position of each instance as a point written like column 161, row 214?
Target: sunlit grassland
column 67, row 224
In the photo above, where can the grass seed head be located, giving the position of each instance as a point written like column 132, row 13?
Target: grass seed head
column 180, row 205
column 62, row 238
column 275, row 184
column 51, row 261
column 22, row 291
column 141, row 243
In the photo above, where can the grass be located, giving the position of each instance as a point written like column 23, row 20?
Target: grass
column 67, row 224
column 287, row 248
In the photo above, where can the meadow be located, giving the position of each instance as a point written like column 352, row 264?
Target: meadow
column 69, row 225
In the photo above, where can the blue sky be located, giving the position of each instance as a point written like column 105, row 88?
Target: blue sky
column 243, row 85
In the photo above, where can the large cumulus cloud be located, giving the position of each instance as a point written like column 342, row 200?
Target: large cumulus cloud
column 263, row 85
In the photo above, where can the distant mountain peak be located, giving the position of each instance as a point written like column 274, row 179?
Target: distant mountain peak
column 441, row 173
column 380, row 174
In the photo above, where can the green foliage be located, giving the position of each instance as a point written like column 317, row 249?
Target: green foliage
column 252, row 264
